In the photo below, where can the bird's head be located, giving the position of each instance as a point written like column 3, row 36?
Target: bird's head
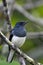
column 21, row 23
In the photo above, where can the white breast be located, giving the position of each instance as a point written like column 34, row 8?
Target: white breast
column 18, row 41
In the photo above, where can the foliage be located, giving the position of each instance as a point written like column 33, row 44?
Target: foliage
column 5, row 63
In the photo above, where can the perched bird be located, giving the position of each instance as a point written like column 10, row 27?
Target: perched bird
column 17, row 37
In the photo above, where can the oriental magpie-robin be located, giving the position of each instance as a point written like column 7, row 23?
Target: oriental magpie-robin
column 17, row 37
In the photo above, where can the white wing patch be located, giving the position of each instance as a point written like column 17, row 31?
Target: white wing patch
column 18, row 41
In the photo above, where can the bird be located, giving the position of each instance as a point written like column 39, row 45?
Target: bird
column 17, row 37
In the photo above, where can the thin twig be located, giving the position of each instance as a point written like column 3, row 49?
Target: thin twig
column 18, row 51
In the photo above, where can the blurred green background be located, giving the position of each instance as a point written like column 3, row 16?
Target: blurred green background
column 30, row 27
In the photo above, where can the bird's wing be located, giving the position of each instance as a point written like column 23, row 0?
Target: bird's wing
column 11, row 35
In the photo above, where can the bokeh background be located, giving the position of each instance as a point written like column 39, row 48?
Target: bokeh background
column 33, row 45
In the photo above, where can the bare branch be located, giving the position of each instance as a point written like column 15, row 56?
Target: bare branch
column 36, row 52
column 18, row 51
column 33, row 35
column 28, row 15
column 32, row 5
column 8, row 22
column 1, row 7
column 6, row 13
column 28, row 5
column 22, row 60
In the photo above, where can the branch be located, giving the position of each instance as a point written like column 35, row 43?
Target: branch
column 33, row 35
column 32, row 5
column 36, row 52
column 6, row 13
column 1, row 7
column 22, row 60
column 28, row 15
column 18, row 51
column 8, row 22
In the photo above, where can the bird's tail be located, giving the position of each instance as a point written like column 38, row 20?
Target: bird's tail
column 10, row 56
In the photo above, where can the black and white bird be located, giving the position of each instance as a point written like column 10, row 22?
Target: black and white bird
column 17, row 37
